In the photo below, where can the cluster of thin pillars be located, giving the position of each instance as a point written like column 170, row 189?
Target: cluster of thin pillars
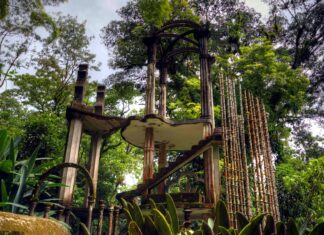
column 236, row 161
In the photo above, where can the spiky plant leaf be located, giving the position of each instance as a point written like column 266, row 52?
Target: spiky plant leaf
column 128, row 215
column 149, row 226
column 173, row 213
column 152, row 203
column 161, row 223
column 124, row 203
column 25, row 171
column 138, row 215
column 131, row 210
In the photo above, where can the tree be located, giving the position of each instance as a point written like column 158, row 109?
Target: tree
column 300, row 190
column 300, row 32
column 56, row 65
column 18, row 21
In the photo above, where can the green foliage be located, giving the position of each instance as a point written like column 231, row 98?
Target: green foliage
column 221, row 216
column 173, row 214
column 242, row 221
column 14, row 174
column 253, row 226
column 3, row 9
column 41, row 18
column 158, row 222
column 155, row 12
column 302, row 184
column 134, row 229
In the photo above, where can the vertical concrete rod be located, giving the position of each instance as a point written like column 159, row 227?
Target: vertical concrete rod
column 96, row 142
column 151, row 43
column 206, row 112
column 162, row 162
column 93, row 163
column 73, row 141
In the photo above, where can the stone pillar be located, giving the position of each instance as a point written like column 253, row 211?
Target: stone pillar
column 151, row 43
column 162, row 162
column 96, row 142
column 93, row 163
column 71, row 156
column 206, row 99
column 73, row 141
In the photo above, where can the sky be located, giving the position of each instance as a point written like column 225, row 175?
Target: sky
column 98, row 13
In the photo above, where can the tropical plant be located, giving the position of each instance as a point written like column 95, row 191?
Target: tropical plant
column 165, row 221
column 13, row 173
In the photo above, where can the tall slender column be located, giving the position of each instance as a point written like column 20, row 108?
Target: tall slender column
column 73, row 141
column 151, row 43
column 96, row 142
column 206, row 100
column 162, row 162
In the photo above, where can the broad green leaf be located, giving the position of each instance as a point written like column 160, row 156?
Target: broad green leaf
column 124, row 203
column 252, row 226
column 161, row 223
column 173, row 213
column 210, row 223
column 133, row 229
column 128, row 215
column 131, row 210
column 138, row 215
column 242, row 221
column 281, row 228
column 206, row 229
column 4, row 194
column 6, row 166
column 269, row 228
column 221, row 215
column 4, row 143
column 152, row 203
column 223, row 231
column 292, row 227
column 84, row 229
column 149, row 226
column 3, row 204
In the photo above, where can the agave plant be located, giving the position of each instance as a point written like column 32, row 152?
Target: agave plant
column 13, row 173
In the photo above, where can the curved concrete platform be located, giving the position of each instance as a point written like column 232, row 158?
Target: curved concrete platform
column 178, row 135
column 93, row 123
column 30, row 225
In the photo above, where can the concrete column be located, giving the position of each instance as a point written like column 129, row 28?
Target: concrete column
column 206, row 99
column 162, row 162
column 93, row 164
column 71, row 156
column 148, row 154
column 151, row 43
